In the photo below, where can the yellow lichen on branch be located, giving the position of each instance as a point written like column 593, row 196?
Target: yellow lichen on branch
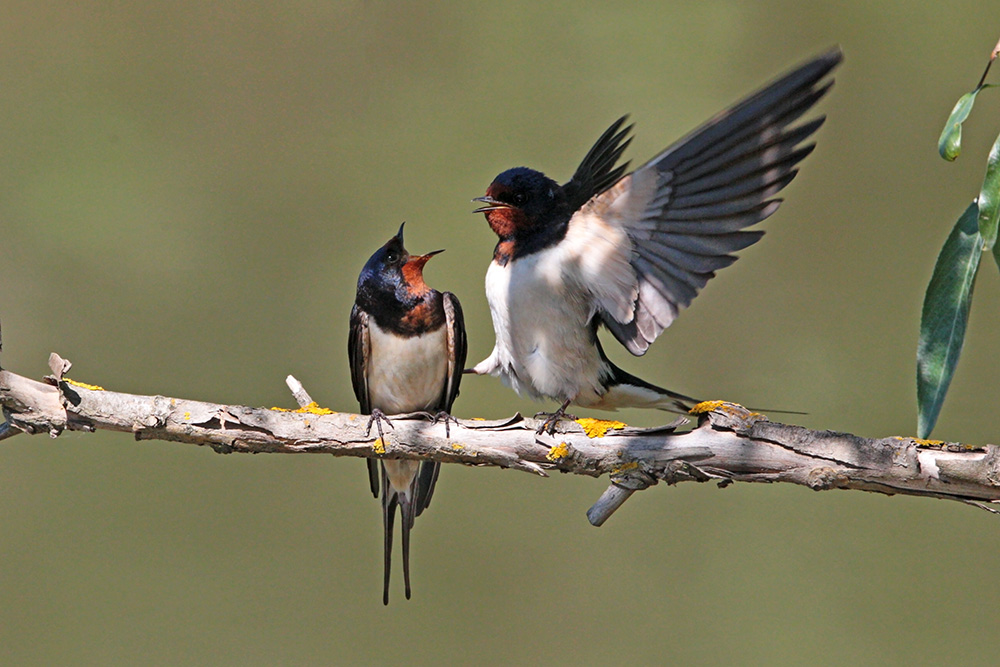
column 83, row 385
column 625, row 467
column 311, row 409
column 314, row 409
column 705, row 407
column 560, row 451
column 597, row 428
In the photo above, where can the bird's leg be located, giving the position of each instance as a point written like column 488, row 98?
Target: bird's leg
column 552, row 419
column 377, row 417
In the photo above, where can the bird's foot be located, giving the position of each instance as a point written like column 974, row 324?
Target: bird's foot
column 377, row 417
column 552, row 419
column 441, row 416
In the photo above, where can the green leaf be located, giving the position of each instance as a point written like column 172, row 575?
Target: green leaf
column 989, row 199
column 950, row 143
column 945, row 315
column 996, row 254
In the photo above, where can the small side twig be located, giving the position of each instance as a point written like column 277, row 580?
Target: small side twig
column 302, row 396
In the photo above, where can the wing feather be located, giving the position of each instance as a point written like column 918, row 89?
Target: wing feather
column 597, row 172
column 457, row 348
column 733, row 180
column 742, row 150
column 687, row 261
column 685, row 210
column 719, row 220
column 358, row 353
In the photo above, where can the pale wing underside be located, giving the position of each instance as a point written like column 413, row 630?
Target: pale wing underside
column 684, row 212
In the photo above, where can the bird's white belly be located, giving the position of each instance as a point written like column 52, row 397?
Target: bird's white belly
column 407, row 374
column 544, row 346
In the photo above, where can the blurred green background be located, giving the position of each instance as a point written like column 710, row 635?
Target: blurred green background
column 187, row 194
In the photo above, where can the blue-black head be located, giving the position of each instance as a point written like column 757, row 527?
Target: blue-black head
column 520, row 201
column 392, row 280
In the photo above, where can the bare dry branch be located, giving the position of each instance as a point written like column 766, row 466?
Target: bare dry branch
column 730, row 443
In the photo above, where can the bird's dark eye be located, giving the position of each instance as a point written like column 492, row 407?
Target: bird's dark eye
column 392, row 257
column 520, row 198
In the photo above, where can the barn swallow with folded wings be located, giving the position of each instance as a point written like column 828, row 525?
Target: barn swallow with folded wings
column 407, row 350
column 628, row 251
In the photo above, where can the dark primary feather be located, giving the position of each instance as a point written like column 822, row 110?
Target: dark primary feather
column 357, row 354
column 358, row 348
column 597, row 172
column 706, row 188
column 458, row 348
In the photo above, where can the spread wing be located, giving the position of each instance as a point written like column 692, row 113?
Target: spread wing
column 685, row 210
column 358, row 351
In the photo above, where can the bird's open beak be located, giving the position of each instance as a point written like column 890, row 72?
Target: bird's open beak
column 420, row 260
column 491, row 204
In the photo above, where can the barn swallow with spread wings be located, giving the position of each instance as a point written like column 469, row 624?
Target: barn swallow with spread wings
column 628, row 251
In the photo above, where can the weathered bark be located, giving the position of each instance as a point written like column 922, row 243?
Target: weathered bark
column 730, row 443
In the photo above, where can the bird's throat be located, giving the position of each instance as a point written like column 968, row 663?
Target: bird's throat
column 505, row 222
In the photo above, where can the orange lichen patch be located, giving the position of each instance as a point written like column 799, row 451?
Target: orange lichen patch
column 457, row 446
column 920, row 442
column 280, row 409
column 82, row 385
column 378, row 446
column 560, row 451
column 597, row 428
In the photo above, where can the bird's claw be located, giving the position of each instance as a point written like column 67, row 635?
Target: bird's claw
column 441, row 416
column 448, row 419
column 550, row 423
column 376, row 418
column 552, row 419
